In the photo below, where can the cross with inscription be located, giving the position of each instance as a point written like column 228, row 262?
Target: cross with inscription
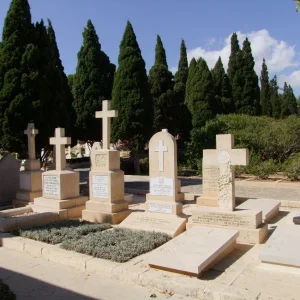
column 106, row 114
column 59, row 141
column 161, row 149
column 31, row 132
column 225, row 158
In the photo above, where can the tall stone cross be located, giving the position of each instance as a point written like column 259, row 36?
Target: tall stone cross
column 225, row 158
column 161, row 149
column 59, row 141
column 31, row 132
column 106, row 114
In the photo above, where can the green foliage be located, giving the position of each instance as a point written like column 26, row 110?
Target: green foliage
column 92, row 83
column 224, row 100
column 55, row 233
column 288, row 102
column 161, row 88
column 5, row 292
column 291, row 167
column 119, row 244
column 265, row 99
column 131, row 95
column 233, row 65
column 274, row 99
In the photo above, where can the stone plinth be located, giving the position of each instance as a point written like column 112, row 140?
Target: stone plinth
column 247, row 222
column 194, row 251
column 283, row 247
column 107, row 202
column 296, row 220
column 164, row 202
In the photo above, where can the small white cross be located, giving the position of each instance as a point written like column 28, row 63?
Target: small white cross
column 161, row 149
column 59, row 141
column 31, row 132
column 106, row 114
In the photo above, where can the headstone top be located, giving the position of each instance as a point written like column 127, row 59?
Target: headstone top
column 31, row 132
column 59, row 141
column 96, row 146
column 164, row 130
column 106, row 114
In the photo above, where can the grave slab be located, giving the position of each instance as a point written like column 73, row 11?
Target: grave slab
column 269, row 207
column 194, row 251
column 283, row 247
column 296, row 220
column 158, row 222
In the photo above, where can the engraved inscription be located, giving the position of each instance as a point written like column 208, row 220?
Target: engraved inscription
column 152, row 222
column 162, row 186
column 210, row 179
column 51, row 186
column 100, row 160
column 160, row 208
column 100, row 186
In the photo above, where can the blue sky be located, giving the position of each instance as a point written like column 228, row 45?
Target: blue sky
column 206, row 26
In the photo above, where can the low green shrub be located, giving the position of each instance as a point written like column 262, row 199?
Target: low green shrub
column 291, row 167
column 118, row 244
column 57, row 232
column 5, row 292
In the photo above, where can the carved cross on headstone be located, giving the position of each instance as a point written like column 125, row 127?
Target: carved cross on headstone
column 161, row 149
column 31, row 132
column 106, row 114
column 59, row 141
column 225, row 158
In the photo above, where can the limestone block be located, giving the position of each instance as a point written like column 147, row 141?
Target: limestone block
column 103, row 217
column 59, row 204
column 105, row 160
column 106, row 207
column 32, row 164
column 166, row 207
column 25, row 196
column 31, row 181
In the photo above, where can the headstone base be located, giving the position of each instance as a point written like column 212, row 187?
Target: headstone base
column 194, row 251
column 24, row 198
column 165, row 207
column 207, row 201
column 32, row 165
column 105, row 217
column 167, row 223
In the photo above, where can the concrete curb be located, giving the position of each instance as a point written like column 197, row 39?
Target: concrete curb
column 135, row 271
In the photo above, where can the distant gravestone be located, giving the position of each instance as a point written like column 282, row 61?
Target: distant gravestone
column 69, row 156
column 164, row 202
column 87, row 151
column 79, row 151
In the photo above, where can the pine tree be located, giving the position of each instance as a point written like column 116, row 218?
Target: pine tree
column 289, row 101
column 183, row 123
column 249, row 102
column 161, row 88
column 265, row 102
column 92, row 84
column 201, row 98
column 274, row 99
column 235, row 50
column 131, row 97
column 224, row 100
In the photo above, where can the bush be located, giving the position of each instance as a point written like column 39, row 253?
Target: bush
column 119, row 244
column 291, row 167
column 5, row 292
column 55, row 233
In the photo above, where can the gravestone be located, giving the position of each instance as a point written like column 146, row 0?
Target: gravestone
column 194, row 251
column 223, row 212
column 164, row 202
column 61, row 186
column 87, row 151
column 79, row 151
column 69, row 156
column 106, row 180
column 30, row 185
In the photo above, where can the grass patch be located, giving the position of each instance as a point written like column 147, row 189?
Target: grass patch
column 57, row 232
column 118, row 245
column 5, row 292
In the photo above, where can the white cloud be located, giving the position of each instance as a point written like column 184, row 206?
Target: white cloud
column 292, row 79
column 278, row 54
column 174, row 70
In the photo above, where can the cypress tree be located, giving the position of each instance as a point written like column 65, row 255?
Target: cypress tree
column 289, row 101
column 274, row 99
column 161, row 88
column 189, row 83
column 131, row 97
column 265, row 102
column 249, row 102
column 233, row 63
column 92, row 84
column 182, row 116
column 224, row 99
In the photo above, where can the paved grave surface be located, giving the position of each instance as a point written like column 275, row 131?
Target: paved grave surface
column 269, row 207
column 283, row 247
column 194, row 251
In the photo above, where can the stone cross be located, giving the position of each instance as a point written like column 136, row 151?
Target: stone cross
column 225, row 158
column 161, row 149
column 60, row 141
column 106, row 114
column 31, row 132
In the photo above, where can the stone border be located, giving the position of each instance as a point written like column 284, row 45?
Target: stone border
column 133, row 271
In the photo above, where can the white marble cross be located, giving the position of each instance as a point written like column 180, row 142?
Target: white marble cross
column 225, row 158
column 31, row 132
column 59, row 141
column 106, row 114
column 161, row 149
